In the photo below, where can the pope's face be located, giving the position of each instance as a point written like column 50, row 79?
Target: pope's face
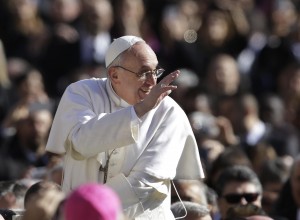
column 127, row 84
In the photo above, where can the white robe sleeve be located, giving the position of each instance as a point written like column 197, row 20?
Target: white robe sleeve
column 139, row 192
column 81, row 126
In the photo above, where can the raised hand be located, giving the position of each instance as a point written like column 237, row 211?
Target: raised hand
column 158, row 92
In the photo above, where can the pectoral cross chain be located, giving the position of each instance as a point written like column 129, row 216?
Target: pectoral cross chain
column 105, row 168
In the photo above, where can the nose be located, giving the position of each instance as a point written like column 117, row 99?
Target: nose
column 151, row 78
column 243, row 201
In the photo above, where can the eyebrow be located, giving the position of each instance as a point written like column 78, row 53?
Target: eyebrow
column 147, row 68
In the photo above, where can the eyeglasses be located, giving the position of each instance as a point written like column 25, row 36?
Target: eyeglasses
column 156, row 72
column 234, row 198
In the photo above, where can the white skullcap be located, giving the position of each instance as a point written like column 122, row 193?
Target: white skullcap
column 118, row 46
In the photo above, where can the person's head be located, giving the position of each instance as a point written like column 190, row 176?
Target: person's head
column 237, row 185
column 187, row 89
column 128, row 10
column 194, row 211
column 273, row 174
column 223, row 77
column 37, row 189
column 23, row 10
column 42, row 201
column 283, row 17
column 31, row 85
column 33, row 128
column 272, row 109
column 230, row 156
column 132, row 68
column 288, row 81
column 64, row 11
column 12, row 194
column 41, row 118
column 216, row 29
column 97, row 15
column 92, row 201
column 295, row 180
column 189, row 190
column 204, row 125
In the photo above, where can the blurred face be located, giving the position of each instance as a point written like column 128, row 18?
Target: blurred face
column 212, row 148
column 32, row 88
column 295, row 182
column 64, row 10
column 270, row 195
column 42, row 121
column 128, row 85
column 217, row 27
column 97, row 15
column 233, row 189
column 24, row 9
column 133, row 10
column 295, row 83
column 225, row 76
column 189, row 191
column 34, row 129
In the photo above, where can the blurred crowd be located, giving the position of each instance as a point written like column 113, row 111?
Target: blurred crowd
column 239, row 83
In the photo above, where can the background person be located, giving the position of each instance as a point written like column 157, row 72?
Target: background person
column 237, row 185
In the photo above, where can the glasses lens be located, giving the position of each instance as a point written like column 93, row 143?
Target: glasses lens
column 236, row 198
column 154, row 73
column 147, row 74
column 159, row 72
column 251, row 197
column 233, row 198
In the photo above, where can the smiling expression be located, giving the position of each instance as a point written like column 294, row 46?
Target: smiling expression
column 140, row 58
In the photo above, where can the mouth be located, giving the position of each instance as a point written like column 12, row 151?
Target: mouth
column 144, row 92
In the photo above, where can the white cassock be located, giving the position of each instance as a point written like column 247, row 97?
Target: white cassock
column 92, row 122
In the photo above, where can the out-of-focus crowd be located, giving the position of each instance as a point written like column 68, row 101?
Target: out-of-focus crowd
column 239, row 83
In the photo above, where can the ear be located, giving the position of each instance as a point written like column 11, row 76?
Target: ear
column 113, row 75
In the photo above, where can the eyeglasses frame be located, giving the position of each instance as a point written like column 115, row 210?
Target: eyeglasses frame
column 242, row 195
column 154, row 72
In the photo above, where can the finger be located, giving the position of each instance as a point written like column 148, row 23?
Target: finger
column 165, row 82
column 167, row 89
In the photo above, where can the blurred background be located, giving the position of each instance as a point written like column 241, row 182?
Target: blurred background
column 239, row 83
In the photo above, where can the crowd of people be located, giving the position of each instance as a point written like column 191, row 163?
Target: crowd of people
column 239, row 86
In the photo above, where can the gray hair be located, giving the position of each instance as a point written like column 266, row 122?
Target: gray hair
column 179, row 209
